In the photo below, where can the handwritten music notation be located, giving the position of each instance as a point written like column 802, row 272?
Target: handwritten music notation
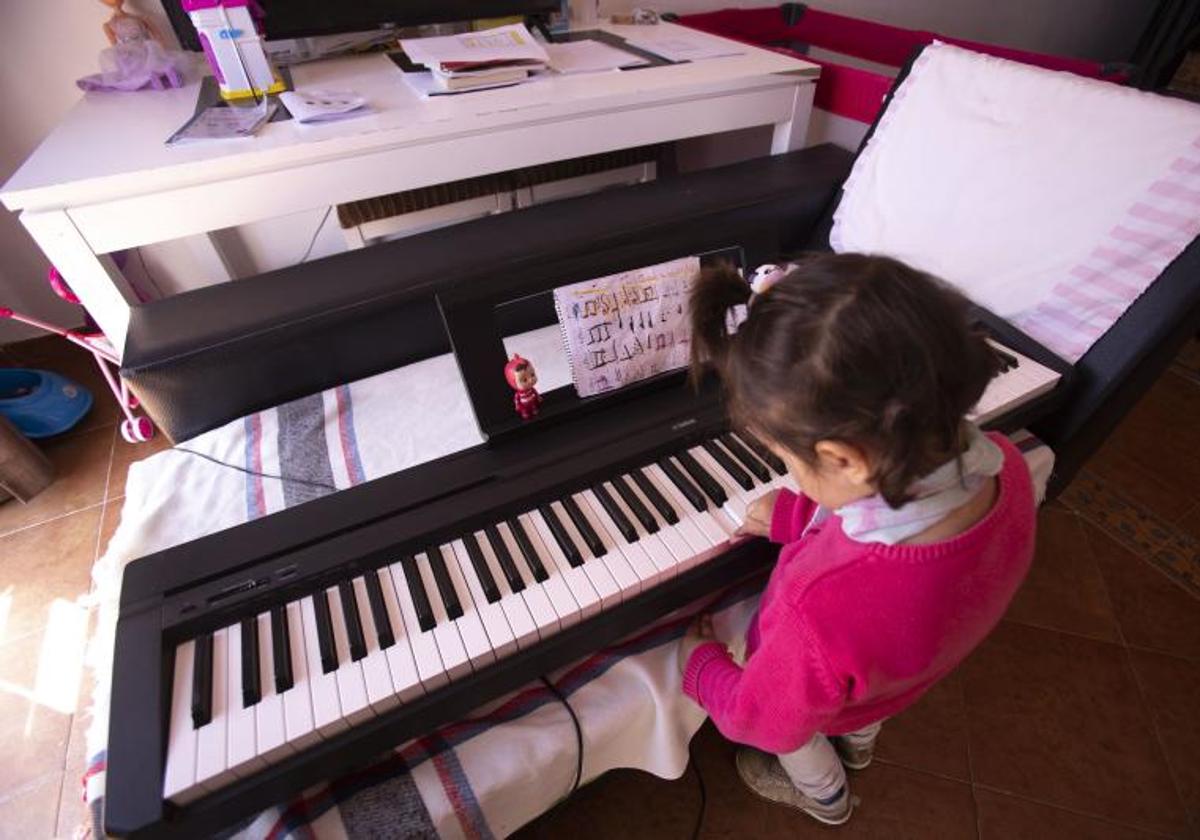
column 627, row 327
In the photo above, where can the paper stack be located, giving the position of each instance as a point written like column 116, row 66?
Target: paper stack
column 505, row 55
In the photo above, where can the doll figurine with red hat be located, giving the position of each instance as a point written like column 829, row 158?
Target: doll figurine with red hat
column 522, row 377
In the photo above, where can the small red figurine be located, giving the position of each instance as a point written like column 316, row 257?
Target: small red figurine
column 522, row 377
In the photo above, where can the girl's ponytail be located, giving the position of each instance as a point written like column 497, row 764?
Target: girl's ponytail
column 716, row 289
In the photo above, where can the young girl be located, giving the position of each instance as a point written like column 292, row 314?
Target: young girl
column 909, row 538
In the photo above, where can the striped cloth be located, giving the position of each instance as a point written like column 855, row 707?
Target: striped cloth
column 478, row 778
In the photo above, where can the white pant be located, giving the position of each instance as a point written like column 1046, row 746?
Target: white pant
column 815, row 768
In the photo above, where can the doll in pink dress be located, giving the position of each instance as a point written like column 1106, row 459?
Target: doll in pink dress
column 136, row 59
column 522, row 377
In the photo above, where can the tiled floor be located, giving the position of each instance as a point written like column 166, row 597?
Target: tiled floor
column 1077, row 718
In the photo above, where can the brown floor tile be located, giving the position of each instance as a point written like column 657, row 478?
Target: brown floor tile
column 108, row 523
column 1189, row 357
column 1153, row 611
column 1064, row 589
column 1154, row 455
column 44, row 564
column 1059, row 718
column 72, row 811
column 80, row 469
column 34, row 733
column 1172, row 687
column 1190, row 523
column 125, row 454
column 931, row 735
column 1004, row 817
column 28, row 813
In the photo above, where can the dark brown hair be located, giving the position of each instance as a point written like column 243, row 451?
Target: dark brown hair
column 847, row 347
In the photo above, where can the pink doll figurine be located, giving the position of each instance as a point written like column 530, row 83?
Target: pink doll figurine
column 136, row 59
column 522, row 377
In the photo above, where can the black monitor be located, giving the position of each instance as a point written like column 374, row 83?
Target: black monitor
column 286, row 19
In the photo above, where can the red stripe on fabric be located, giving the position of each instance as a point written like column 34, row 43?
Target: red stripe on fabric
column 1129, row 262
column 453, row 795
column 1171, row 189
column 1186, row 165
column 1181, row 224
column 1104, row 281
column 1068, row 319
column 1151, row 242
column 353, row 472
column 1093, row 307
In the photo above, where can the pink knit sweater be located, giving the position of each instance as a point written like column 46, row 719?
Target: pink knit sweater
column 849, row 633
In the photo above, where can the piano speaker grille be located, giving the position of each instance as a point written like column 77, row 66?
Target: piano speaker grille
column 355, row 213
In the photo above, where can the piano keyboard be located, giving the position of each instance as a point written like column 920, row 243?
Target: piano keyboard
column 249, row 694
column 1020, row 381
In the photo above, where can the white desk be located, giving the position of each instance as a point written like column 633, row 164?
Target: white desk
column 104, row 180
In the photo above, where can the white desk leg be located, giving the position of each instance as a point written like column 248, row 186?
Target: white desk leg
column 792, row 133
column 94, row 278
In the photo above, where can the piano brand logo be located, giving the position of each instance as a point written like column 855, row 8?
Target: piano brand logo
column 683, row 424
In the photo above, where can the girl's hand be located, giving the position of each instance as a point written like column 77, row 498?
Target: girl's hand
column 758, row 516
column 700, row 632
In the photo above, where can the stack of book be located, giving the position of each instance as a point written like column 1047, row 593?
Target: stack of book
column 505, row 55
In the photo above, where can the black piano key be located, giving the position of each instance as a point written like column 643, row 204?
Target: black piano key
column 686, row 487
column 325, row 643
column 628, row 531
column 202, row 681
column 441, row 576
column 354, row 631
column 416, row 590
column 251, row 690
column 515, row 582
column 635, row 504
column 1007, row 360
column 486, row 582
column 594, row 543
column 764, row 452
column 725, row 461
column 711, row 487
column 527, row 551
column 383, row 625
column 664, row 508
column 281, row 649
column 569, row 550
column 748, row 461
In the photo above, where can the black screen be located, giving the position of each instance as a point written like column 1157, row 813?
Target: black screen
column 305, row 18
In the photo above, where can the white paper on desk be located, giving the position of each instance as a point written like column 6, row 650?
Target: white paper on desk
column 503, row 43
column 224, row 122
column 684, row 48
column 590, row 57
column 318, row 106
column 627, row 327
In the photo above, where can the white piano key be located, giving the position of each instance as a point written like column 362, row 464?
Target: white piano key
column 352, row 689
column 577, row 581
column 211, row 766
column 377, row 675
column 520, row 622
column 179, row 774
column 619, row 566
column 634, row 552
column 270, row 729
column 683, row 540
column 297, row 700
column 1013, row 387
column 476, row 637
column 697, row 528
column 747, row 496
column 602, row 581
column 445, row 632
column 326, row 705
column 548, row 600
column 735, row 504
column 658, row 550
column 240, row 738
column 426, row 659
column 406, row 679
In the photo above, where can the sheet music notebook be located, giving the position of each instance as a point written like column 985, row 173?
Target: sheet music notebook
column 628, row 326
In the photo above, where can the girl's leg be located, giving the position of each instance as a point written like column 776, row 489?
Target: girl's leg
column 856, row 749
column 815, row 770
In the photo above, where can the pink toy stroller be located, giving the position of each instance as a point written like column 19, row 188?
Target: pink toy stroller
column 134, row 428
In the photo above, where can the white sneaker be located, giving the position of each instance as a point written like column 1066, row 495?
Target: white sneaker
column 764, row 775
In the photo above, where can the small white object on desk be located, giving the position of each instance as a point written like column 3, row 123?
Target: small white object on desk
column 318, row 106
column 590, row 57
column 685, row 48
column 224, row 122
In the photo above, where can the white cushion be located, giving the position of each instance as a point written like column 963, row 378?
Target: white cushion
column 1051, row 199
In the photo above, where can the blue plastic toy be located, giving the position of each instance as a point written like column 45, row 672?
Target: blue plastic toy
column 41, row 403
